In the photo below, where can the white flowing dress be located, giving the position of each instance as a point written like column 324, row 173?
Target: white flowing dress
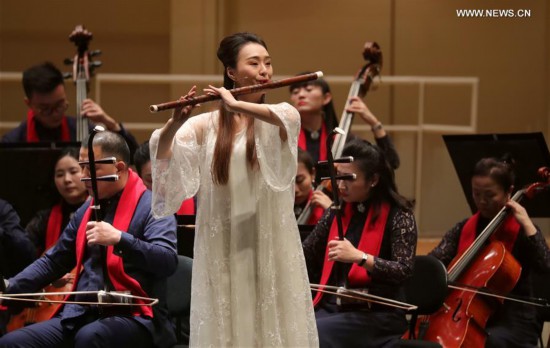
column 250, row 286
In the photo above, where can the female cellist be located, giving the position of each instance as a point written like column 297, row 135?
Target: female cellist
column 514, row 324
column 376, row 254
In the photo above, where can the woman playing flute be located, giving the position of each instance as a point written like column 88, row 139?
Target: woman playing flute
column 250, row 286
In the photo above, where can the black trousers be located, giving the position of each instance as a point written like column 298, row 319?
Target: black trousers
column 115, row 331
column 359, row 328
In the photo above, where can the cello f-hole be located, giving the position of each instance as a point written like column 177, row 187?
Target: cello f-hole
column 456, row 319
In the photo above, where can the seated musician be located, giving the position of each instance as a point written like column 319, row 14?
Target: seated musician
column 514, row 324
column 47, row 102
column 376, row 254
column 313, row 100
column 46, row 226
column 140, row 255
column 305, row 193
column 16, row 250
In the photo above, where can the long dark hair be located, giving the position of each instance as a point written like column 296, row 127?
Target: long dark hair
column 370, row 159
column 305, row 158
column 228, row 52
column 329, row 113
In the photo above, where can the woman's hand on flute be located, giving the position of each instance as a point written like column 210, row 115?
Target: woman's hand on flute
column 181, row 114
column 167, row 133
column 229, row 101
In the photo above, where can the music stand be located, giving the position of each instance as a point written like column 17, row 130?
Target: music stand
column 186, row 234
column 529, row 151
column 27, row 178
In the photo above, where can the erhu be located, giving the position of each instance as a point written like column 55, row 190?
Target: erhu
column 105, row 296
column 342, row 290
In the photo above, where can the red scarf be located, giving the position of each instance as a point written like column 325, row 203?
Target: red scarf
column 32, row 136
column 124, row 212
column 187, row 207
column 370, row 243
column 302, row 142
column 54, row 226
column 507, row 233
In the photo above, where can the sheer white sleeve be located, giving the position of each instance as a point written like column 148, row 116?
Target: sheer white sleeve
column 277, row 158
column 177, row 178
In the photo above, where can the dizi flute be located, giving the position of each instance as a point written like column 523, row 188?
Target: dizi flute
column 237, row 92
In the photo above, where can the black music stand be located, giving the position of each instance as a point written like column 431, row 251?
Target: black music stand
column 26, row 179
column 529, row 151
column 186, row 234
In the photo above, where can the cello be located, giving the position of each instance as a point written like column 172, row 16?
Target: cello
column 44, row 309
column 83, row 69
column 489, row 267
column 359, row 88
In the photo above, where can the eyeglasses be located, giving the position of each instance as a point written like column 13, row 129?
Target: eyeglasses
column 50, row 109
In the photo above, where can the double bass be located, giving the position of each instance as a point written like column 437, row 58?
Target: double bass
column 359, row 88
column 486, row 266
column 83, row 69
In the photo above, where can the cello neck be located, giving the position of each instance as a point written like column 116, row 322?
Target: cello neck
column 465, row 259
column 83, row 67
column 82, row 128
column 359, row 88
column 346, row 120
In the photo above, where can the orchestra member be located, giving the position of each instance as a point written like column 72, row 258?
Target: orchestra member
column 47, row 103
column 16, row 251
column 376, row 255
column 305, row 193
column 313, row 99
column 514, row 324
column 140, row 255
column 46, row 226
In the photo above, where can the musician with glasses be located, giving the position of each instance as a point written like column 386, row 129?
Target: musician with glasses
column 313, row 100
column 47, row 102
column 375, row 256
column 140, row 255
